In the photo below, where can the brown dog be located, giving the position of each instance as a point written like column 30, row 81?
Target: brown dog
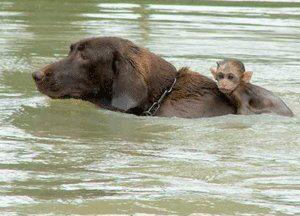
column 115, row 74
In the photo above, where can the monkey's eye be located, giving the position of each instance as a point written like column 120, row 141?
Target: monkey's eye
column 230, row 77
column 220, row 76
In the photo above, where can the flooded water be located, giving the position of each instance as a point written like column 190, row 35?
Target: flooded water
column 68, row 157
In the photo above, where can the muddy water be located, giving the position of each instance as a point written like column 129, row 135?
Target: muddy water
column 68, row 157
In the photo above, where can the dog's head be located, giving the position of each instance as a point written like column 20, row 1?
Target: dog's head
column 106, row 70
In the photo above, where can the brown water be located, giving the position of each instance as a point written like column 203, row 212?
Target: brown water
column 68, row 157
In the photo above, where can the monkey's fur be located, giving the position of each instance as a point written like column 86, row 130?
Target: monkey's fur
column 234, row 81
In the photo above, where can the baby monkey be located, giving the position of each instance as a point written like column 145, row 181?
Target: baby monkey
column 233, row 81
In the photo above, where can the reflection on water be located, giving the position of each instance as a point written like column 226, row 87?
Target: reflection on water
column 66, row 157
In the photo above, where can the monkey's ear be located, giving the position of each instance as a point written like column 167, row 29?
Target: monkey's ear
column 213, row 70
column 247, row 76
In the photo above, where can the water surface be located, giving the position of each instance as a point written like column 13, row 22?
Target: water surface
column 68, row 157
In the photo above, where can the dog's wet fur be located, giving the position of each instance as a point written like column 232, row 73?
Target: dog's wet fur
column 116, row 74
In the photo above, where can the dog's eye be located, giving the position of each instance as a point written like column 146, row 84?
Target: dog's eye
column 80, row 47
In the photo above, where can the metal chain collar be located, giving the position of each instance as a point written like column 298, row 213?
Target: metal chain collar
column 156, row 105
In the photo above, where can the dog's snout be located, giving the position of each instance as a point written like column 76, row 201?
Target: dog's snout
column 37, row 76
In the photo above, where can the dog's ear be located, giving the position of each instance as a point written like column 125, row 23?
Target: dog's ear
column 129, row 88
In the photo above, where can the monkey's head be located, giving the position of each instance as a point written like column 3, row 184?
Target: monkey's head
column 229, row 74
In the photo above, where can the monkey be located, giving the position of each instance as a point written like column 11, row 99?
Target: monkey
column 234, row 81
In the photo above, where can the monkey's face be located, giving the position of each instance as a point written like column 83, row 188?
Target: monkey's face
column 227, row 80
column 229, row 74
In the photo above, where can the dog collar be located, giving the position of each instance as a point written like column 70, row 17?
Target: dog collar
column 156, row 105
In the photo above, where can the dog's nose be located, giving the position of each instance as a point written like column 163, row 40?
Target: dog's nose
column 37, row 76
